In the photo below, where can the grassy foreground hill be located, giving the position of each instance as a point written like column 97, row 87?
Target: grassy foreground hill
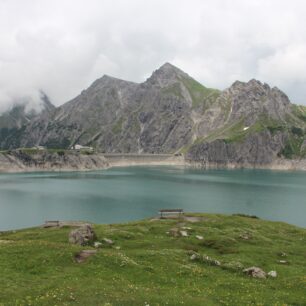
column 148, row 265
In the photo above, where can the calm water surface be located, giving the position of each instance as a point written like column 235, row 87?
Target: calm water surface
column 124, row 194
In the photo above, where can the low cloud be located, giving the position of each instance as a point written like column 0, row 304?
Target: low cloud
column 61, row 47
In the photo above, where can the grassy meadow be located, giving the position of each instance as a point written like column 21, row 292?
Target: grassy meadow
column 146, row 265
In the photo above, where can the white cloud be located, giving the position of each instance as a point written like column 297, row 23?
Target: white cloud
column 287, row 68
column 63, row 46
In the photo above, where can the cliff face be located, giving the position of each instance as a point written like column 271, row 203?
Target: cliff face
column 248, row 123
column 16, row 161
column 255, row 150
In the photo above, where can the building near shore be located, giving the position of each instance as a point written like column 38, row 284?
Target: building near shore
column 79, row 147
column 40, row 148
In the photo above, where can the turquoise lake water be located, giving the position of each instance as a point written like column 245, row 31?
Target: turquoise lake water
column 124, row 194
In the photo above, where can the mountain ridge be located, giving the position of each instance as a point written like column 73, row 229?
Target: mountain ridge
column 172, row 112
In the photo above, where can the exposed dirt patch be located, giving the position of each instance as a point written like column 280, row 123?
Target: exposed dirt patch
column 84, row 254
column 193, row 219
column 63, row 223
column 6, row 241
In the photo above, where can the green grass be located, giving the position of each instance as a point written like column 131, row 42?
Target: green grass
column 200, row 94
column 299, row 111
column 38, row 267
column 293, row 147
column 31, row 151
column 234, row 132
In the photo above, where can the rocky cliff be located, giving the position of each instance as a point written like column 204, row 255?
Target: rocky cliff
column 261, row 126
column 20, row 160
column 248, row 123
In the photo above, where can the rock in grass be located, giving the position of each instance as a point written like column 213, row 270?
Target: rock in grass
column 211, row 261
column 84, row 254
column 108, row 241
column 233, row 265
column 272, row 274
column 245, row 236
column 205, row 259
column 199, row 237
column 97, row 244
column 283, row 262
column 82, row 235
column 195, row 256
column 174, row 232
column 255, row 272
column 184, row 233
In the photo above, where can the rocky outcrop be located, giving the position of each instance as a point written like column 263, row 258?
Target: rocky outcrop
column 253, row 99
column 16, row 161
column 83, row 235
column 255, row 272
column 84, row 255
column 257, row 149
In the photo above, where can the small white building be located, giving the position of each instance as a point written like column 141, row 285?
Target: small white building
column 80, row 147
column 40, row 148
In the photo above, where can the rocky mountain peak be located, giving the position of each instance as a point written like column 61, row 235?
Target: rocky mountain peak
column 106, row 82
column 166, row 75
column 253, row 98
column 251, row 85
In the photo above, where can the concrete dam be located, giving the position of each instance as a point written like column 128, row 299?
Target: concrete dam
column 128, row 159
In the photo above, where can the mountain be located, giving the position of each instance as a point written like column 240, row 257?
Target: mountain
column 248, row 123
column 259, row 124
column 13, row 121
column 119, row 116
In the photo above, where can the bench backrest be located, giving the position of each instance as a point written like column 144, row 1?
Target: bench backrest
column 171, row 210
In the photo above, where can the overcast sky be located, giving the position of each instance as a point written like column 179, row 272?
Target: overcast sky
column 62, row 46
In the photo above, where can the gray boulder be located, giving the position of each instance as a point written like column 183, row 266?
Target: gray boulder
column 84, row 254
column 272, row 274
column 108, row 241
column 255, row 272
column 82, row 235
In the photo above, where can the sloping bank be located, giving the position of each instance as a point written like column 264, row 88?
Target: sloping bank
column 215, row 155
column 62, row 160
column 24, row 161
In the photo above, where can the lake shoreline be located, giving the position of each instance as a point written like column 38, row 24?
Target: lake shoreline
column 44, row 161
column 278, row 165
column 187, row 216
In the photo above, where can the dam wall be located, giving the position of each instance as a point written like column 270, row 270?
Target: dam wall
column 130, row 159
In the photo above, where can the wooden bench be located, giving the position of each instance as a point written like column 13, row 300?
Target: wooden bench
column 166, row 212
column 51, row 224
